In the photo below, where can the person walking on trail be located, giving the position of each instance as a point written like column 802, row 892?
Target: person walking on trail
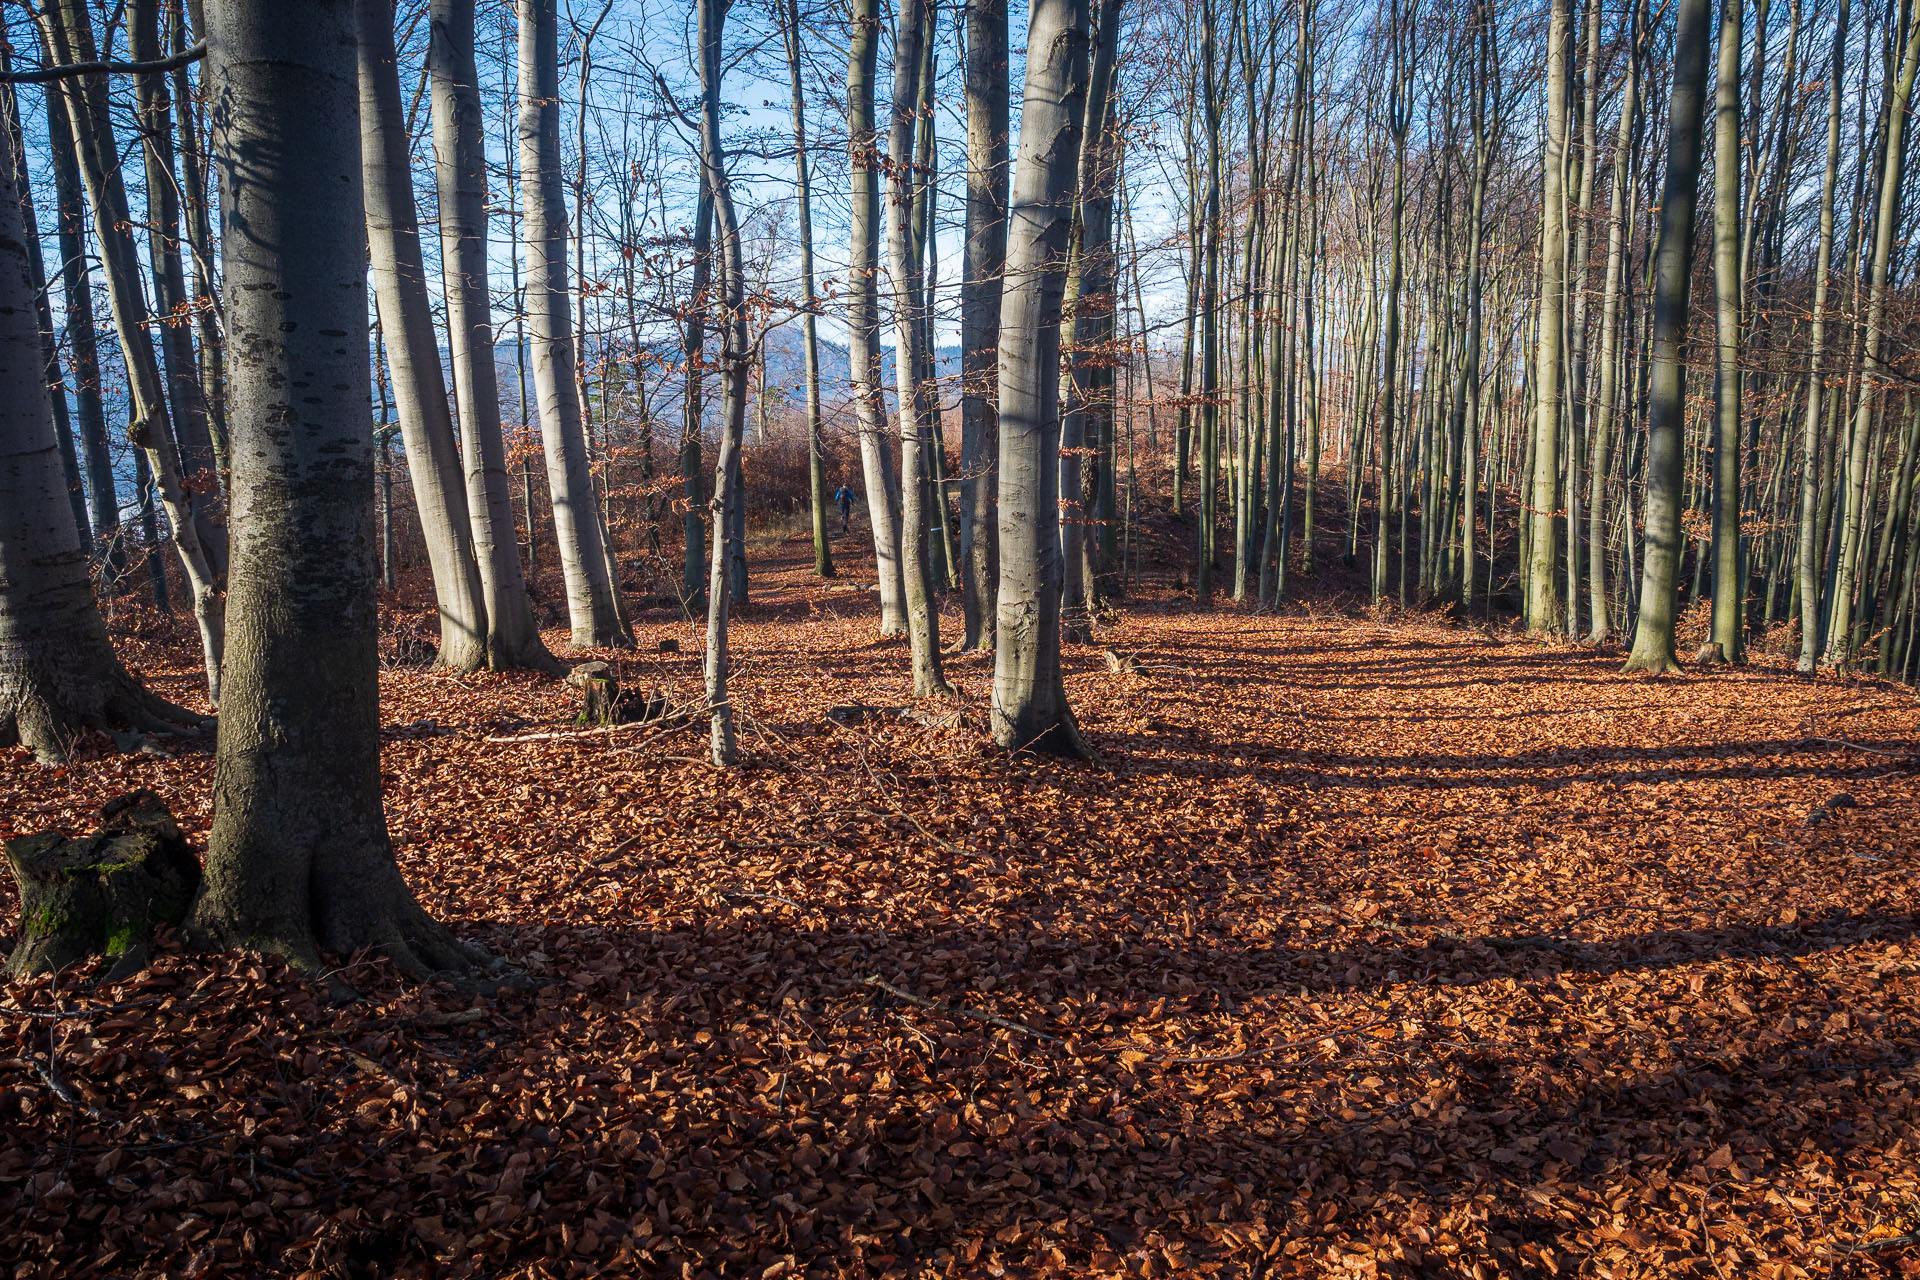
column 844, row 499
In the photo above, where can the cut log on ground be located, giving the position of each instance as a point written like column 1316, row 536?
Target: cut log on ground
column 1123, row 664
column 852, row 713
column 105, row 894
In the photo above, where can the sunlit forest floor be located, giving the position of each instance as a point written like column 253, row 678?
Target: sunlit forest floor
column 1370, row 946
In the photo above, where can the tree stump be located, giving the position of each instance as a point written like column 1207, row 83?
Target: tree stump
column 605, row 704
column 104, row 894
column 1123, row 664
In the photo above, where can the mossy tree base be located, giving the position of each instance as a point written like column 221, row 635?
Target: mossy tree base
column 102, row 895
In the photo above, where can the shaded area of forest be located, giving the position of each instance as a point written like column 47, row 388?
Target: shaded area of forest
column 1366, row 946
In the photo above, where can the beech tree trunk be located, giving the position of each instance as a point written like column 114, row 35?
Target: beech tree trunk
column 789, row 15
column 1030, row 710
column 1543, row 613
column 59, row 675
column 923, row 615
column 1729, row 586
column 863, row 315
column 1808, row 568
column 1653, row 638
column 512, row 637
column 737, row 362
column 987, row 92
column 299, row 861
column 576, row 524
column 413, row 345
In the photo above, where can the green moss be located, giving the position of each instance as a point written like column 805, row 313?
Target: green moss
column 122, row 940
column 46, row 920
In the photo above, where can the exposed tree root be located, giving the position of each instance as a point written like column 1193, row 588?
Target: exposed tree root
column 48, row 712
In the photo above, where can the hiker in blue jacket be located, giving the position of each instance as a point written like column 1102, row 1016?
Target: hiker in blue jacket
column 844, row 499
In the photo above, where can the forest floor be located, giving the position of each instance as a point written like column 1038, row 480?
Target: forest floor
column 1370, row 947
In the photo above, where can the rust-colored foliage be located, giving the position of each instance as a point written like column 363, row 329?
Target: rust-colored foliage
column 1369, row 949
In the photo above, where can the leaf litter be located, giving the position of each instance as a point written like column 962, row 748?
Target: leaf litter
column 1370, row 947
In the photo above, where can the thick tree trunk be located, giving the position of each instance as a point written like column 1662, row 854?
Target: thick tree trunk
column 58, row 672
column 863, row 315
column 513, row 638
column 987, row 92
column 923, row 615
column 590, row 591
column 43, row 317
column 299, row 861
column 1653, row 639
column 1030, row 710
column 413, row 346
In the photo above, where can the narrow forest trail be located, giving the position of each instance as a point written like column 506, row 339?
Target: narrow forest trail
column 1360, row 937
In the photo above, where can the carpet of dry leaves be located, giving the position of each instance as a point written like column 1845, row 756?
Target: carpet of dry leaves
column 1369, row 948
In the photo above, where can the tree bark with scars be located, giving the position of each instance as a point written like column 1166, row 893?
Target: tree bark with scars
column 299, row 861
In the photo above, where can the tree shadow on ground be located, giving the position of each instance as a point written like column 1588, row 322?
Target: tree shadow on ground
column 717, row 1098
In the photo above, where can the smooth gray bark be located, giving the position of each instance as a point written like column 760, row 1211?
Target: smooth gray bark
column 863, row 315
column 923, row 615
column 76, row 288
column 512, row 636
column 987, row 94
column 736, row 364
column 1729, row 588
column 186, row 400
column 1030, row 710
column 1653, row 638
column 413, row 345
column 299, row 860
column 1543, row 613
column 576, row 523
